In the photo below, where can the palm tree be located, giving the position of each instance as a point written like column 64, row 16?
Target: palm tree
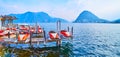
column 10, row 19
column 3, row 19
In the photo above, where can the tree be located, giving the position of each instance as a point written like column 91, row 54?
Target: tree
column 7, row 18
column 3, row 19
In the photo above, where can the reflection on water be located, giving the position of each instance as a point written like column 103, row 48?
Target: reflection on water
column 90, row 40
column 62, row 51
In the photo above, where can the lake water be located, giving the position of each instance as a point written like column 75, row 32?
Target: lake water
column 90, row 40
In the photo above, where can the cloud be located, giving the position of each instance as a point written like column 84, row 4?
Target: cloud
column 107, row 9
column 67, row 9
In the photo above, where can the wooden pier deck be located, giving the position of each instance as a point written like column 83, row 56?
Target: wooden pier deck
column 33, row 40
column 35, row 37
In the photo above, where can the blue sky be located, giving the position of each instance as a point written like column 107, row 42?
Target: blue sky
column 67, row 9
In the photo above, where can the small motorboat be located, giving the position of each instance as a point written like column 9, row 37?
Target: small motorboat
column 53, row 35
column 65, row 33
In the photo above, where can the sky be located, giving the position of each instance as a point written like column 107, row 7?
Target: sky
column 66, row 9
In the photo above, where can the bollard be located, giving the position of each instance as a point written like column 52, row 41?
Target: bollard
column 58, row 42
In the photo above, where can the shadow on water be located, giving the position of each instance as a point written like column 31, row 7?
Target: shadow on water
column 56, row 51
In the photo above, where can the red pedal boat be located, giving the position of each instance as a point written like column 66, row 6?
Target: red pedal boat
column 65, row 33
column 53, row 35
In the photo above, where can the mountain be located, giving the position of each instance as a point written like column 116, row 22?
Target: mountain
column 32, row 17
column 88, row 17
column 116, row 21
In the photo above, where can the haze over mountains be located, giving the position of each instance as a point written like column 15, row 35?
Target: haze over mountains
column 33, row 17
column 42, row 17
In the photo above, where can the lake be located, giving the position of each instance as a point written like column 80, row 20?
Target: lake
column 90, row 40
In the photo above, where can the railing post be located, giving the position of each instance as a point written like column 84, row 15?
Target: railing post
column 30, row 39
column 45, row 39
column 72, row 31
column 68, row 28
column 16, row 35
column 58, row 26
column 58, row 42
column 8, row 34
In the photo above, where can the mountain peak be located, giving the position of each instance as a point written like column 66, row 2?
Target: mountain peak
column 88, row 17
column 85, row 11
column 116, row 21
column 29, row 12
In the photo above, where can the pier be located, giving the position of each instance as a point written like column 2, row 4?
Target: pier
column 28, row 35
